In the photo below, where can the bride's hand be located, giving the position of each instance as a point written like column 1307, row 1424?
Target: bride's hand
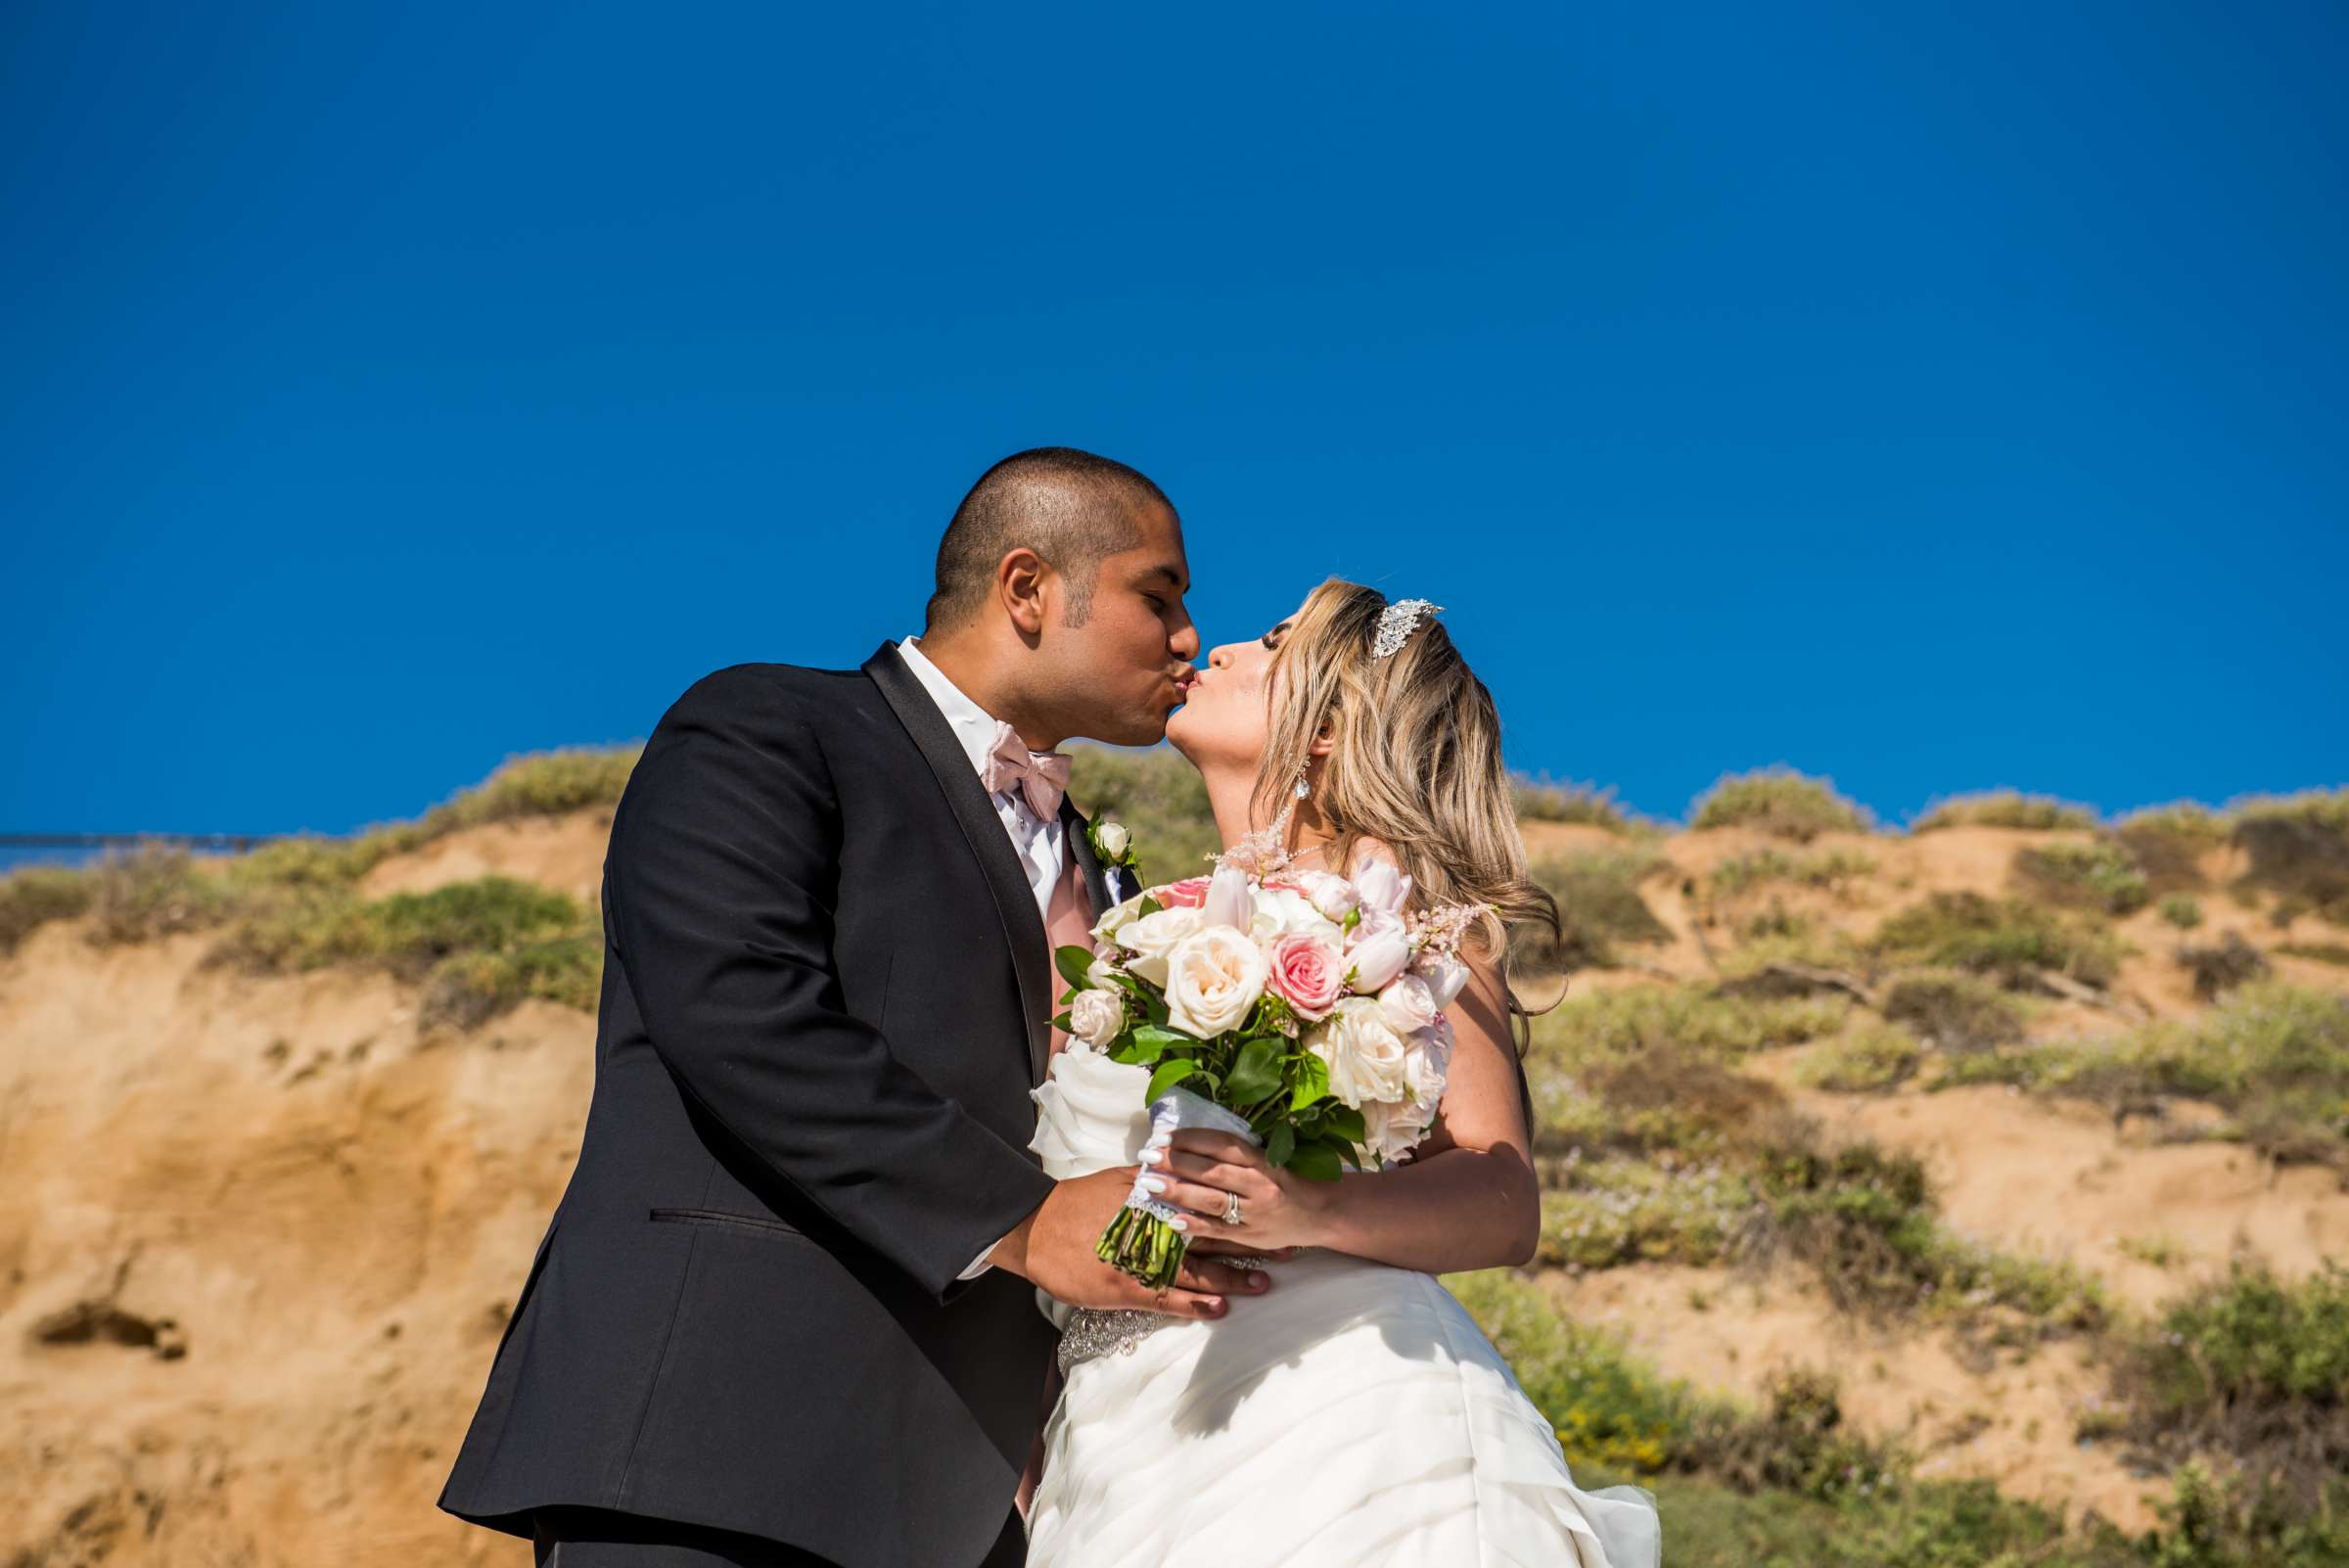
column 1200, row 1170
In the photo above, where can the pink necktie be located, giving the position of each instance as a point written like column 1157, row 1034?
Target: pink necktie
column 1041, row 776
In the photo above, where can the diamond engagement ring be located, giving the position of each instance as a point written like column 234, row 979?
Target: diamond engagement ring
column 1231, row 1210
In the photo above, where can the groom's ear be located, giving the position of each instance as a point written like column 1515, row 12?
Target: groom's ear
column 1025, row 585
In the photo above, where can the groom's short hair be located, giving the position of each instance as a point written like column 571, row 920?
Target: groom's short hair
column 1072, row 508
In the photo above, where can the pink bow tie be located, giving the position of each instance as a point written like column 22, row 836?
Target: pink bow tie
column 1041, row 776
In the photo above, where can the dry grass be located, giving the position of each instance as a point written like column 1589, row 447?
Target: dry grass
column 2005, row 808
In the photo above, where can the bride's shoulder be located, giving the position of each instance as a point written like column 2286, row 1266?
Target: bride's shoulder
column 1368, row 851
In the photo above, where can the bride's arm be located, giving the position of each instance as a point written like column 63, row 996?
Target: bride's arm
column 1467, row 1198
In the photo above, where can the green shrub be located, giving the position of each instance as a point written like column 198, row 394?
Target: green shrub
column 553, row 783
column 476, row 947
column 2272, row 1054
column 1615, row 1212
column 1870, row 1058
column 2100, row 875
column 37, row 895
column 2298, row 847
column 2182, row 911
column 1953, row 1009
column 152, row 891
column 1778, row 801
column 1863, row 1219
column 2005, row 808
column 466, row 990
column 1752, row 967
column 2169, row 842
column 2323, row 952
column 1541, row 801
column 2224, row 966
column 1627, row 1022
column 1160, row 799
column 1599, row 905
column 2245, row 1518
column 2248, row 1366
column 1831, row 870
column 2008, row 939
column 1672, row 1102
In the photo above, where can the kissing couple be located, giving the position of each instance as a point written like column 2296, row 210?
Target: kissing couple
column 812, row 1296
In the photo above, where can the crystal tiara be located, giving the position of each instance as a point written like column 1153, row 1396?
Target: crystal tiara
column 1397, row 623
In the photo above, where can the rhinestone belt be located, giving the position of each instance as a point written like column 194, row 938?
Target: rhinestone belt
column 1093, row 1331
column 1106, row 1331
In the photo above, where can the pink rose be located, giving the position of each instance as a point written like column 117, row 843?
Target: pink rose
column 1306, row 973
column 1188, row 894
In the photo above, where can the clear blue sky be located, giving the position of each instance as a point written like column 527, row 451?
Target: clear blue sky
column 1931, row 397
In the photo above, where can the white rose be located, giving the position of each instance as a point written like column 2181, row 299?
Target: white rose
column 1427, row 1065
column 1365, row 1057
column 1285, row 912
column 1116, row 916
column 1393, row 1132
column 1332, row 895
column 1408, row 1004
column 1446, row 976
column 1381, row 949
column 1112, row 838
column 1213, row 981
column 1102, row 975
column 1155, row 936
column 1096, row 1017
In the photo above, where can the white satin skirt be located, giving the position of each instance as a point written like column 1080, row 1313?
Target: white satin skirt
column 1353, row 1417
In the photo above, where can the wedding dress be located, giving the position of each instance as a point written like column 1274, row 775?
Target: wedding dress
column 1352, row 1417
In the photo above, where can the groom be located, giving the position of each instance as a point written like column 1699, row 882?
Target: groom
column 785, row 1312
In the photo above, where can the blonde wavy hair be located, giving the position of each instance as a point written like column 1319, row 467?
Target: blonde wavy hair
column 1414, row 762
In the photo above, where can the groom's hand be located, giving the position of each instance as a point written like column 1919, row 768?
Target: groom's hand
column 1053, row 1247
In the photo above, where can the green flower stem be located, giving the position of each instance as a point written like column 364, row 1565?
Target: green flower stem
column 1144, row 1246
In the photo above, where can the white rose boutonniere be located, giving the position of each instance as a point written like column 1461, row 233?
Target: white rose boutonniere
column 1112, row 844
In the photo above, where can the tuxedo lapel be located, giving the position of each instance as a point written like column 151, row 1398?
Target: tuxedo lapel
column 1100, row 885
column 1015, row 902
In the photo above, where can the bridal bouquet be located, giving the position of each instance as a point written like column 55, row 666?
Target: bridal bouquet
column 1297, row 1009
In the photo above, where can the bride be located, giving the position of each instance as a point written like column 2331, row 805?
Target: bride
column 1355, row 1416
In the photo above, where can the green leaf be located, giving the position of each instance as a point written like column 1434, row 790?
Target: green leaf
column 1155, row 1005
column 1061, row 1023
column 1343, row 1121
column 1343, row 1148
column 1170, row 1074
column 1315, row 1162
column 1312, row 1081
column 1148, row 906
column 1280, row 1143
column 1257, row 1073
column 1075, row 964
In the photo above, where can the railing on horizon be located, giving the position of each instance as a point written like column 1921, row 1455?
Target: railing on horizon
column 37, row 848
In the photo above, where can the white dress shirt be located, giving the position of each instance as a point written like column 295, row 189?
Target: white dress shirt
column 1041, row 845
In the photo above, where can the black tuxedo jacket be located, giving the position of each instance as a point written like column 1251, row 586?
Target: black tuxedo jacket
column 826, row 995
